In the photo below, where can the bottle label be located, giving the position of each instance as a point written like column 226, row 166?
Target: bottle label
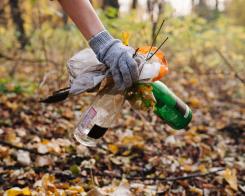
column 187, row 112
column 182, row 108
column 97, row 132
column 89, row 116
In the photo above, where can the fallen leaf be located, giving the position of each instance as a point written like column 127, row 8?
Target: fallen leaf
column 196, row 190
column 202, row 168
column 23, row 157
column 75, row 170
column 15, row 191
column 230, row 177
column 133, row 140
column 78, row 189
column 26, row 191
column 42, row 148
column 12, row 105
column 43, row 161
column 194, row 102
column 95, row 192
column 122, row 190
column 113, row 148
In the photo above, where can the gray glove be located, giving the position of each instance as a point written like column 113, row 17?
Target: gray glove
column 117, row 57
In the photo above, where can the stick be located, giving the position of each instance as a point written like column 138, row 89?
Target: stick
column 229, row 65
column 171, row 179
column 142, row 178
column 168, row 179
column 157, row 49
column 155, row 38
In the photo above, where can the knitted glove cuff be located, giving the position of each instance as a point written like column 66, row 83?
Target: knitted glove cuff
column 100, row 41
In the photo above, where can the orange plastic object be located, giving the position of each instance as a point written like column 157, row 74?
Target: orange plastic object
column 160, row 56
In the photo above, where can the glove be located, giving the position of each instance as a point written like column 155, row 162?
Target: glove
column 118, row 58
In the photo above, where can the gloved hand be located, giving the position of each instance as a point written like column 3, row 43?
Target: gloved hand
column 117, row 57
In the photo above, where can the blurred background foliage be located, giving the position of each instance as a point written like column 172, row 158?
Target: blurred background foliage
column 37, row 38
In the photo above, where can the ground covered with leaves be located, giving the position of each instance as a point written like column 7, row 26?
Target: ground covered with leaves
column 139, row 156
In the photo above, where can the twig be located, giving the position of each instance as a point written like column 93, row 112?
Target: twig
column 142, row 178
column 45, row 77
column 230, row 65
column 168, row 179
column 157, row 49
column 171, row 179
column 155, row 38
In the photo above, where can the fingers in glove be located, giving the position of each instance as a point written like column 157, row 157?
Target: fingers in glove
column 117, row 78
column 125, row 71
column 133, row 68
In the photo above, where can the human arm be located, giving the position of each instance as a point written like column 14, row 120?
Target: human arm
column 108, row 50
column 84, row 16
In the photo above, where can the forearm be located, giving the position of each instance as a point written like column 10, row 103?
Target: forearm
column 84, row 16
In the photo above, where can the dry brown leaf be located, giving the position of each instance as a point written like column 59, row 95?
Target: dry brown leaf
column 12, row 105
column 113, row 148
column 78, row 189
column 133, row 140
column 230, row 176
column 196, row 190
column 122, row 190
column 195, row 102
column 23, row 157
column 189, row 168
column 16, row 191
column 67, row 114
column 43, row 161
column 95, row 192
column 202, row 168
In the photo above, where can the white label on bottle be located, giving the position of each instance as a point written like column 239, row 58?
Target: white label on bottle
column 90, row 114
column 187, row 111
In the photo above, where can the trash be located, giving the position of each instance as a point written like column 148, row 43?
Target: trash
column 99, row 116
column 87, row 74
column 170, row 108
column 108, row 103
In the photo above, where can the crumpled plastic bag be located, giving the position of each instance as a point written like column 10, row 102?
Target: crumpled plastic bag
column 87, row 74
column 85, row 71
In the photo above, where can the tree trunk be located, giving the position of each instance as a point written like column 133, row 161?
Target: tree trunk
column 155, row 8
column 134, row 4
column 2, row 18
column 64, row 18
column 112, row 3
column 202, row 2
column 19, row 22
column 216, row 5
column 192, row 3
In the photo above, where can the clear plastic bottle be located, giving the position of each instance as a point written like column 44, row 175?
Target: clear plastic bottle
column 100, row 116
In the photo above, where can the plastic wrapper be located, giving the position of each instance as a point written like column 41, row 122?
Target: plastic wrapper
column 88, row 74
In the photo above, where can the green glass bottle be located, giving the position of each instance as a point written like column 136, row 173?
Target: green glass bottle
column 169, row 107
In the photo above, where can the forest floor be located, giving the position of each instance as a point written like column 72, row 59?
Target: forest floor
column 140, row 155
